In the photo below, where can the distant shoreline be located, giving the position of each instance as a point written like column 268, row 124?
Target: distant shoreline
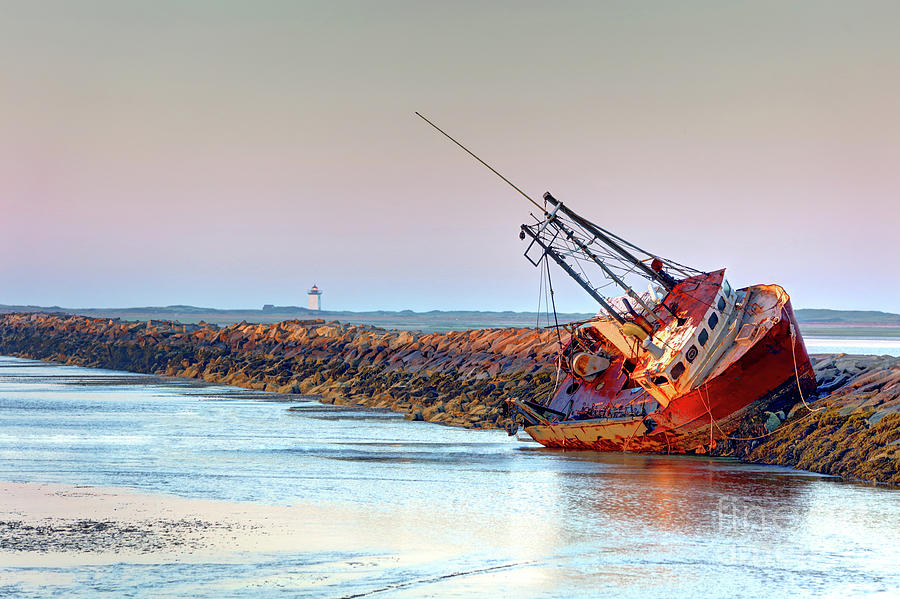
column 813, row 322
column 839, row 332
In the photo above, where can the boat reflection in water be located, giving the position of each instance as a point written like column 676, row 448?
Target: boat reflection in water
column 699, row 526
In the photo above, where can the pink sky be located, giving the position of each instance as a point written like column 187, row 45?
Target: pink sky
column 232, row 156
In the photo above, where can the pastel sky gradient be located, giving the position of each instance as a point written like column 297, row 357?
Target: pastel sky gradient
column 231, row 154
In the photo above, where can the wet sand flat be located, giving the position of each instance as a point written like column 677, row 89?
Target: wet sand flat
column 54, row 538
column 56, row 524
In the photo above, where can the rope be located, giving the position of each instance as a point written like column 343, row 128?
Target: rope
column 773, row 432
column 537, row 323
column 632, row 435
column 797, row 371
column 799, row 389
column 555, row 316
column 556, row 383
column 712, row 419
column 542, row 296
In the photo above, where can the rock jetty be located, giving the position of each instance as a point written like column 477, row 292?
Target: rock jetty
column 458, row 378
column 850, row 427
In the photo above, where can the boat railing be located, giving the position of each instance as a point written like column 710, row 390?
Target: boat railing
column 628, row 411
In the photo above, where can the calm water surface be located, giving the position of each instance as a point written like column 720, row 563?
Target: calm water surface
column 886, row 346
column 531, row 522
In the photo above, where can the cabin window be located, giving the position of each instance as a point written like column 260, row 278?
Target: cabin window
column 691, row 354
column 572, row 388
column 660, row 380
column 677, row 371
column 726, row 287
column 713, row 320
column 703, row 337
column 721, row 303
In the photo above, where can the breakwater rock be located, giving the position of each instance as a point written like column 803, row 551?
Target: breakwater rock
column 460, row 378
column 851, row 430
column 850, row 427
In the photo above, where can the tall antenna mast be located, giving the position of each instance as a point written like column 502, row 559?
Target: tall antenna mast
column 472, row 154
column 543, row 235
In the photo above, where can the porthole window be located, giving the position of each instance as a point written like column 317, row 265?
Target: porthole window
column 572, row 388
column 677, row 371
column 691, row 354
column 660, row 380
column 703, row 337
column 726, row 287
column 721, row 303
column 713, row 320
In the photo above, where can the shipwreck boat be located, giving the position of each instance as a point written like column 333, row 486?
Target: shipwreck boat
column 671, row 369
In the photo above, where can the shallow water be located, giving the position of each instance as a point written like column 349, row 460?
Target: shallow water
column 518, row 520
column 887, row 346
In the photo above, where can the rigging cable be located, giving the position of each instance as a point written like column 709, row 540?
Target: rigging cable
column 537, row 321
column 559, row 355
column 555, row 317
column 470, row 153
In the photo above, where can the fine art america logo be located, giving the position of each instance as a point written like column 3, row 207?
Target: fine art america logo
column 746, row 522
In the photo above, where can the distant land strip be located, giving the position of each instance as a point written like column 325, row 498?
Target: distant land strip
column 459, row 378
column 839, row 323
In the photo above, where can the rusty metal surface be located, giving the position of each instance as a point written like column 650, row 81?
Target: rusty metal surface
column 762, row 377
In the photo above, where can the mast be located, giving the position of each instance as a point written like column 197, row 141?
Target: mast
column 571, row 272
column 567, row 223
column 662, row 278
column 606, row 270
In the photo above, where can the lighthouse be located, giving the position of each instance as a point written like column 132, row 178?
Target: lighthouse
column 315, row 298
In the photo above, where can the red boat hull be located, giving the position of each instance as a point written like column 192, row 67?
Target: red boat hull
column 769, row 376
